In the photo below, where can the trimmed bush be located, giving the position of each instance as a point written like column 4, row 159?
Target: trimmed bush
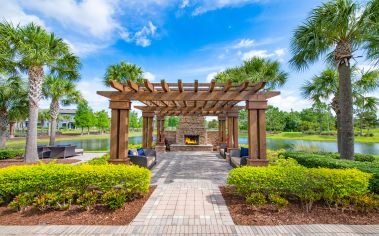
column 10, row 153
column 256, row 199
column 307, row 185
column 311, row 160
column 57, row 178
column 114, row 198
column 364, row 157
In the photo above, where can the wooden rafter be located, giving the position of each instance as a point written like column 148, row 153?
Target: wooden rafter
column 212, row 85
column 243, row 86
column 227, row 86
column 180, row 85
column 165, row 86
column 149, row 86
column 196, row 86
column 134, row 86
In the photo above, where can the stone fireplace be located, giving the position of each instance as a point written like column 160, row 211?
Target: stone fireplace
column 191, row 135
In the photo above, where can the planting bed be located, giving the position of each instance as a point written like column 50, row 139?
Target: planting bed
column 245, row 214
column 99, row 215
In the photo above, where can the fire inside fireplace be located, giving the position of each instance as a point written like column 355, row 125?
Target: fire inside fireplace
column 191, row 139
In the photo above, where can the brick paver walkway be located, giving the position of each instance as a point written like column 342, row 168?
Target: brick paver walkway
column 187, row 201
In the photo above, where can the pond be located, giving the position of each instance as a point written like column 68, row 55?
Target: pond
column 273, row 144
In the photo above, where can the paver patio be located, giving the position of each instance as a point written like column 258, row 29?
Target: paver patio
column 187, row 201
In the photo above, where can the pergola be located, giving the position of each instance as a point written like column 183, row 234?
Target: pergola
column 189, row 99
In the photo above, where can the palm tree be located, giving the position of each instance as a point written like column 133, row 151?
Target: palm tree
column 255, row 70
column 31, row 49
column 13, row 103
column 62, row 91
column 325, row 87
column 337, row 29
column 123, row 72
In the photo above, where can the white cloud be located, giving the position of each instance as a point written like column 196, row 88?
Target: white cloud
column 94, row 17
column 142, row 37
column 279, row 53
column 88, row 89
column 12, row 12
column 244, row 43
column 211, row 5
column 288, row 100
column 184, row 4
column 256, row 53
column 83, row 49
column 149, row 76
column 211, row 76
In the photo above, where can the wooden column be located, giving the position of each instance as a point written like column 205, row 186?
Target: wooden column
column 119, row 132
column 230, row 132
column 222, row 128
column 160, row 130
column 235, row 131
column 144, row 132
column 257, row 132
column 148, row 118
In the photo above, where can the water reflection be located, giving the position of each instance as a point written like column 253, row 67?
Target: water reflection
column 274, row 144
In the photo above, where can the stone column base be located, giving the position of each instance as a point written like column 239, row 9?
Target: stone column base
column 119, row 161
column 160, row 148
column 257, row 162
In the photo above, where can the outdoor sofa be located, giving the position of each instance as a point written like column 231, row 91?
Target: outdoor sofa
column 143, row 157
column 223, row 150
column 58, row 151
column 238, row 157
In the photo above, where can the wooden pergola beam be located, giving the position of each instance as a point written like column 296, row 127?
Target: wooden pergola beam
column 116, row 85
column 149, row 86
column 180, row 86
column 134, row 86
column 165, row 86
column 243, row 86
column 227, row 86
column 212, row 85
column 196, row 86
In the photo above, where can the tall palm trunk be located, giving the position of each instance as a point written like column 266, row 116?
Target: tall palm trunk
column 336, row 109
column 3, row 128
column 342, row 55
column 35, row 84
column 12, row 125
column 54, row 111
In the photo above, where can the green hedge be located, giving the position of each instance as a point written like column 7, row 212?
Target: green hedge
column 319, row 160
column 10, row 153
column 305, row 184
column 60, row 178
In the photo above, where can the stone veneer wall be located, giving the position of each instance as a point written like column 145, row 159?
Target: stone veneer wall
column 191, row 125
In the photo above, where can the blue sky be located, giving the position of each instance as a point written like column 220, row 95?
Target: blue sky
column 171, row 39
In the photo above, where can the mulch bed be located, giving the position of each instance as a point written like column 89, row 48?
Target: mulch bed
column 244, row 214
column 100, row 215
column 20, row 161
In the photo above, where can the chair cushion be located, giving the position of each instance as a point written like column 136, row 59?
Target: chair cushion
column 243, row 161
column 244, row 152
column 130, row 153
column 150, row 160
column 236, row 160
column 141, row 152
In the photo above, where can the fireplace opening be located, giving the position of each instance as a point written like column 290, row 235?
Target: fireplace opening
column 191, row 139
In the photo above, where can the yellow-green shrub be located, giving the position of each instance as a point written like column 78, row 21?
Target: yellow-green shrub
column 295, row 181
column 49, row 178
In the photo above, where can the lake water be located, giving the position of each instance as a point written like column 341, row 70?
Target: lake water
column 273, row 144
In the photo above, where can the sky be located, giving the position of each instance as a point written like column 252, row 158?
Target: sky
column 172, row 39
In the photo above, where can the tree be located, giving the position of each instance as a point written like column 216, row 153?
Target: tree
column 242, row 120
column 275, row 119
column 32, row 49
column 337, row 29
column 213, row 124
column 102, row 120
column 255, row 70
column 84, row 117
column 43, row 116
column 134, row 122
column 172, row 121
column 123, row 72
column 60, row 91
column 13, row 103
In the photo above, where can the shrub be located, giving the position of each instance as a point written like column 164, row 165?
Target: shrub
column 278, row 201
column 50, row 178
column 54, row 200
column 256, row 199
column 311, row 160
column 364, row 157
column 21, row 201
column 114, row 199
column 10, row 153
column 365, row 203
column 307, row 185
column 99, row 160
column 88, row 199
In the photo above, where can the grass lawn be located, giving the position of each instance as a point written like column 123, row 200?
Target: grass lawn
column 301, row 136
